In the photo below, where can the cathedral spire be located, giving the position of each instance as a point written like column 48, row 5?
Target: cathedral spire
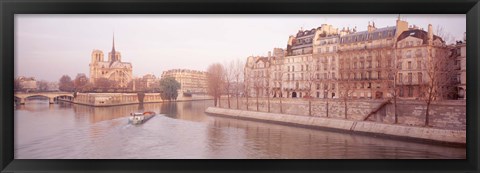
column 113, row 53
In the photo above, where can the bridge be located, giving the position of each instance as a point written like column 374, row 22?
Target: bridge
column 21, row 97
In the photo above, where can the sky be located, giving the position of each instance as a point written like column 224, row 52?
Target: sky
column 48, row 46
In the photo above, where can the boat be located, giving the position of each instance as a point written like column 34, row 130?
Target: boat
column 139, row 118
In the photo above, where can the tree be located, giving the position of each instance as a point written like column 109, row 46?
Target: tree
column 439, row 68
column 257, row 86
column 239, row 75
column 42, row 85
column 215, row 81
column 391, row 81
column 247, row 82
column 104, row 83
column 80, row 81
column 169, row 87
column 348, row 87
column 66, row 84
column 310, row 80
column 229, row 75
column 280, row 78
column 267, row 84
column 17, row 86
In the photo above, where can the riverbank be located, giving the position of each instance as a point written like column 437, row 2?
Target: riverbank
column 121, row 99
column 435, row 135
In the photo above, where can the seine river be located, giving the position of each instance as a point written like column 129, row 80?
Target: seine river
column 184, row 131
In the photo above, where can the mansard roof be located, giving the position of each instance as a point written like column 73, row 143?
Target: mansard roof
column 380, row 33
column 417, row 33
column 306, row 33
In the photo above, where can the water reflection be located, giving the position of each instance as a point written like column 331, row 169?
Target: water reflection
column 183, row 130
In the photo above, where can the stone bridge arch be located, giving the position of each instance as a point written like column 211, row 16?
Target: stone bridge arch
column 50, row 95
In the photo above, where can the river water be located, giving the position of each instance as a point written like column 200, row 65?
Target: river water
column 184, row 131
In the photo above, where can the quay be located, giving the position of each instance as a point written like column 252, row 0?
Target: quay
column 426, row 134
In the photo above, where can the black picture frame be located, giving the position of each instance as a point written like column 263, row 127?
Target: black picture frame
column 8, row 8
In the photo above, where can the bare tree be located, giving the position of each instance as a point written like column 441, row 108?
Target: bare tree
column 42, row 85
column 238, row 73
column 257, row 86
column 310, row 78
column 215, row 81
column 390, row 80
column 280, row 77
column 439, row 68
column 247, row 82
column 229, row 75
column 80, row 81
column 348, row 87
column 267, row 84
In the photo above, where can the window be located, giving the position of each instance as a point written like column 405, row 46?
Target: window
column 333, row 76
column 301, row 75
column 419, row 65
column 301, row 68
column 288, row 76
column 410, row 91
column 293, row 76
column 318, row 86
column 325, row 75
column 400, row 78
column 327, row 49
column 409, row 65
column 306, row 66
column 399, row 65
column 334, row 48
column 319, row 50
column 410, row 78
column 418, row 53
column 293, row 68
column 408, row 54
column 288, row 68
column 419, row 76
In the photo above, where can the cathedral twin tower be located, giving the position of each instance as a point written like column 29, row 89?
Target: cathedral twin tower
column 114, row 69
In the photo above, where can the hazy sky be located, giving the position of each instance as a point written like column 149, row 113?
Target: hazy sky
column 50, row 45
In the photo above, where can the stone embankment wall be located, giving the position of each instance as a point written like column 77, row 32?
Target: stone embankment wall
column 114, row 99
column 402, row 131
column 444, row 115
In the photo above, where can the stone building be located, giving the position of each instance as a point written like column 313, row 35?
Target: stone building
column 27, row 83
column 460, row 55
column 113, row 69
column 419, row 54
column 191, row 81
column 325, row 47
column 277, row 72
column 258, row 76
column 366, row 59
column 298, row 61
column 375, row 64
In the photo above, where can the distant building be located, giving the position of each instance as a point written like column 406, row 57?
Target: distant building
column 113, row 69
column 149, row 80
column 27, row 83
column 191, row 81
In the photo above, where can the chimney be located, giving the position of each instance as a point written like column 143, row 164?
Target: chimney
column 269, row 54
column 430, row 33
